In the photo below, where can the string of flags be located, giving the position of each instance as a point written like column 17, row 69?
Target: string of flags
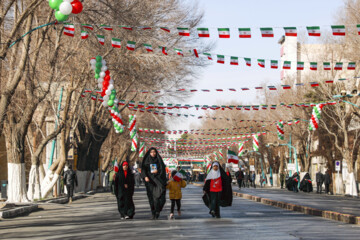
column 224, row 32
column 234, row 60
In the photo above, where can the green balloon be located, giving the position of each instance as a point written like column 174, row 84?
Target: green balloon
column 61, row 17
column 116, row 127
column 98, row 65
column 98, row 58
column 110, row 103
column 114, row 108
column 98, row 71
column 97, row 76
column 121, row 130
column 55, row 4
column 113, row 91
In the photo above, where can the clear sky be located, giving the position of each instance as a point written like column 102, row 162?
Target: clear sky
column 254, row 14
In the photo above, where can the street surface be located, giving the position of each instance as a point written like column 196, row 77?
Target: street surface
column 96, row 217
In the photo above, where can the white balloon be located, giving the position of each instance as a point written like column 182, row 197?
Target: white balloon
column 103, row 62
column 93, row 61
column 104, row 68
column 108, row 92
column 104, row 103
column 93, row 67
column 106, row 98
column 116, row 102
column 100, row 81
column 111, row 81
column 65, row 8
column 68, row 1
column 111, row 87
column 117, row 131
column 99, row 85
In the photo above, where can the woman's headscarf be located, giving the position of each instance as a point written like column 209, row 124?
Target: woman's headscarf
column 214, row 174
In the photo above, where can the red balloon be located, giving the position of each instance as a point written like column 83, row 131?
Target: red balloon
column 105, row 84
column 77, row 7
column 107, row 78
column 107, row 72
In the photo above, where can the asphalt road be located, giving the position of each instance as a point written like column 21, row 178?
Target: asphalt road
column 96, row 217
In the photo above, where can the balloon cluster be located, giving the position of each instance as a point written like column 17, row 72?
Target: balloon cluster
column 102, row 76
column 64, row 8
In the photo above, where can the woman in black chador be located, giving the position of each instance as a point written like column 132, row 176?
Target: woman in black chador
column 217, row 190
column 154, row 174
column 124, row 191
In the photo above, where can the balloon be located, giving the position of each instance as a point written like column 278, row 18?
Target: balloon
column 104, row 68
column 106, row 98
column 103, row 62
column 68, row 1
column 102, row 74
column 98, row 65
column 98, row 58
column 116, row 101
column 98, row 71
column 121, row 130
column 107, row 78
column 93, row 61
column 61, row 17
column 100, row 80
column 104, row 104
column 77, row 7
column 107, row 72
column 110, row 103
column 108, row 92
column 111, row 87
column 111, row 81
column 112, row 97
column 65, row 8
column 55, row 4
column 99, row 85
column 97, row 75
column 113, row 91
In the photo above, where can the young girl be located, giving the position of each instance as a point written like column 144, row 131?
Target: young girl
column 174, row 185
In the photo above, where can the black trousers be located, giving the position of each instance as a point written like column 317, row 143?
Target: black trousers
column 327, row 188
column 282, row 184
column 214, row 202
column 156, row 204
column 178, row 204
column 318, row 187
column 239, row 182
column 70, row 190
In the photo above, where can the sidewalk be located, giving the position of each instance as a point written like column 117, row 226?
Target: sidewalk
column 340, row 208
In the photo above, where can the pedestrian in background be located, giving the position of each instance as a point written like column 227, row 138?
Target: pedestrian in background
column 174, row 185
column 70, row 179
column 137, row 178
column 246, row 179
column 319, row 181
column 282, row 179
column 239, row 178
column 253, row 178
column 327, row 181
column 295, row 181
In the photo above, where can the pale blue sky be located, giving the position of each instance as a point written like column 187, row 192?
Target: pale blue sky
column 254, row 14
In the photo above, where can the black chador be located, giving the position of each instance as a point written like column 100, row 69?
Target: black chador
column 124, row 191
column 154, row 175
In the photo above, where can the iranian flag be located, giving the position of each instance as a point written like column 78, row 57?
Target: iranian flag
column 116, row 43
column 272, row 87
column 338, row 30
column 84, row 35
column 179, row 51
column 224, row 32
column 116, row 166
column 232, row 157
column 165, row 29
column 244, row 33
column 274, row 64
column 101, row 39
column 88, row 26
column 208, row 56
column 358, row 28
column 126, row 27
column 286, row 86
column 69, row 30
column 287, row 65
column 106, row 27
column 203, row 32
column 313, row 31
column 148, row 47
column 261, row 63
column 234, row 61
column 221, row 59
column 327, row 66
column 300, row 66
column 313, row 66
column 184, row 31
column 267, row 32
column 195, row 52
column 338, row 66
column 130, row 45
column 163, row 50
column 351, row 66
column 248, row 61
column 290, row 31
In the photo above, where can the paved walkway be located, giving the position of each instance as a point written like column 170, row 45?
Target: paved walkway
column 341, row 204
column 96, row 217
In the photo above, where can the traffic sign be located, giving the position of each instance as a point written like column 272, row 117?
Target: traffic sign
column 337, row 165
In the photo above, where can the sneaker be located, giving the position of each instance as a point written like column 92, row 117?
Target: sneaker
column 171, row 217
column 157, row 215
column 153, row 217
column 179, row 213
column 212, row 213
column 127, row 217
column 122, row 218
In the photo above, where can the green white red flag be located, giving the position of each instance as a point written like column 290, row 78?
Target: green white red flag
column 338, row 30
column 351, row 66
column 203, row 32
column 69, row 30
column 101, row 39
column 255, row 138
column 221, row 59
column 116, row 43
column 338, row 66
column 148, row 47
column 163, row 50
column 300, row 66
column 126, row 27
column 313, row 66
column 290, row 31
column 287, row 65
column 88, row 26
column 84, row 35
column 232, row 157
column 234, row 61
column 208, row 56
column 224, row 32
column 179, row 51
column 248, row 61
column 358, row 28
column 165, row 29
column 327, row 66
column 106, row 27
column 261, row 63
column 241, row 149
column 314, row 31
column 274, row 64
column 267, row 32
column 244, row 33
column 184, row 31
column 130, row 45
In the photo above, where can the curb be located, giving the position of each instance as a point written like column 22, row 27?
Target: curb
column 64, row 199
column 20, row 211
column 341, row 217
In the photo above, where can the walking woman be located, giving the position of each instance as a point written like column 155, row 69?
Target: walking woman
column 124, row 191
column 154, row 173
column 217, row 190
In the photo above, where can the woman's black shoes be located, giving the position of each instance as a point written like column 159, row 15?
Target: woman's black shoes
column 157, row 215
column 212, row 213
